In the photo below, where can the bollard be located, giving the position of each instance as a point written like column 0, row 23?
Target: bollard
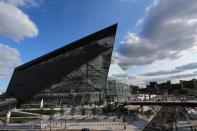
column 125, row 127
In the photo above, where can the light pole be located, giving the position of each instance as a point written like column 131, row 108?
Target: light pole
column 50, row 122
column 50, row 117
column 65, row 120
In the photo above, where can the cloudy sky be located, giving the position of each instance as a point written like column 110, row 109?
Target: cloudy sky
column 156, row 39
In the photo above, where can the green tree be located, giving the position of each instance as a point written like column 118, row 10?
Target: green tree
column 106, row 110
column 184, row 91
column 72, row 111
column 94, row 111
column 62, row 111
column 51, row 112
column 135, row 91
column 83, row 111
column 121, row 110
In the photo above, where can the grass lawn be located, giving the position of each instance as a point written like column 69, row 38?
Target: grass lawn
column 43, row 112
column 21, row 120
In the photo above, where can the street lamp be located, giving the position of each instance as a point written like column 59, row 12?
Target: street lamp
column 65, row 120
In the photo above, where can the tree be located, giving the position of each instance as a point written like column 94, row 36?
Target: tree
column 121, row 110
column 135, row 91
column 184, row 91
column 83, row 111
column 94, row 111
column 51, row 112
column 72, row 111
column 62, row 111
column 106, row 110
column 90, row 103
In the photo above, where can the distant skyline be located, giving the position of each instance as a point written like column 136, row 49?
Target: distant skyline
column 155, row 41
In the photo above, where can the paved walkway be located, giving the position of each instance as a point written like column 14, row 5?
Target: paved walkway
column 165, row 103
column 23, row 112
column 97, row 125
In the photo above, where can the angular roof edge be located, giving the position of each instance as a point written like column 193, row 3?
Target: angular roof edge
column 81, row 42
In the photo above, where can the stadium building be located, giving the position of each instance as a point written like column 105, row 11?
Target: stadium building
column 74, row 74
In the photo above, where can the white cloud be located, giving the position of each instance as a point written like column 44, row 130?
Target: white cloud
column 169, row 28
column 178, row 69
column 9, row 58
column 174, row 78
column 14, row 23
column 21, row 3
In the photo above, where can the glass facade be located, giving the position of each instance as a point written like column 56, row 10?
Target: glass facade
column 117, row 91
column 77, row 71
column 87, row 83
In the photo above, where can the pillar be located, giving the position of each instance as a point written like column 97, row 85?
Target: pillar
column 141, row 108
column 8, row 116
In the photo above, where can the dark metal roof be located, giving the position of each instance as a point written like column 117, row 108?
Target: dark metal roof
column 83, row 41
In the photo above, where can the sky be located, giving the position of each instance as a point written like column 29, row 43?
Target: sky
column 155, row 40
